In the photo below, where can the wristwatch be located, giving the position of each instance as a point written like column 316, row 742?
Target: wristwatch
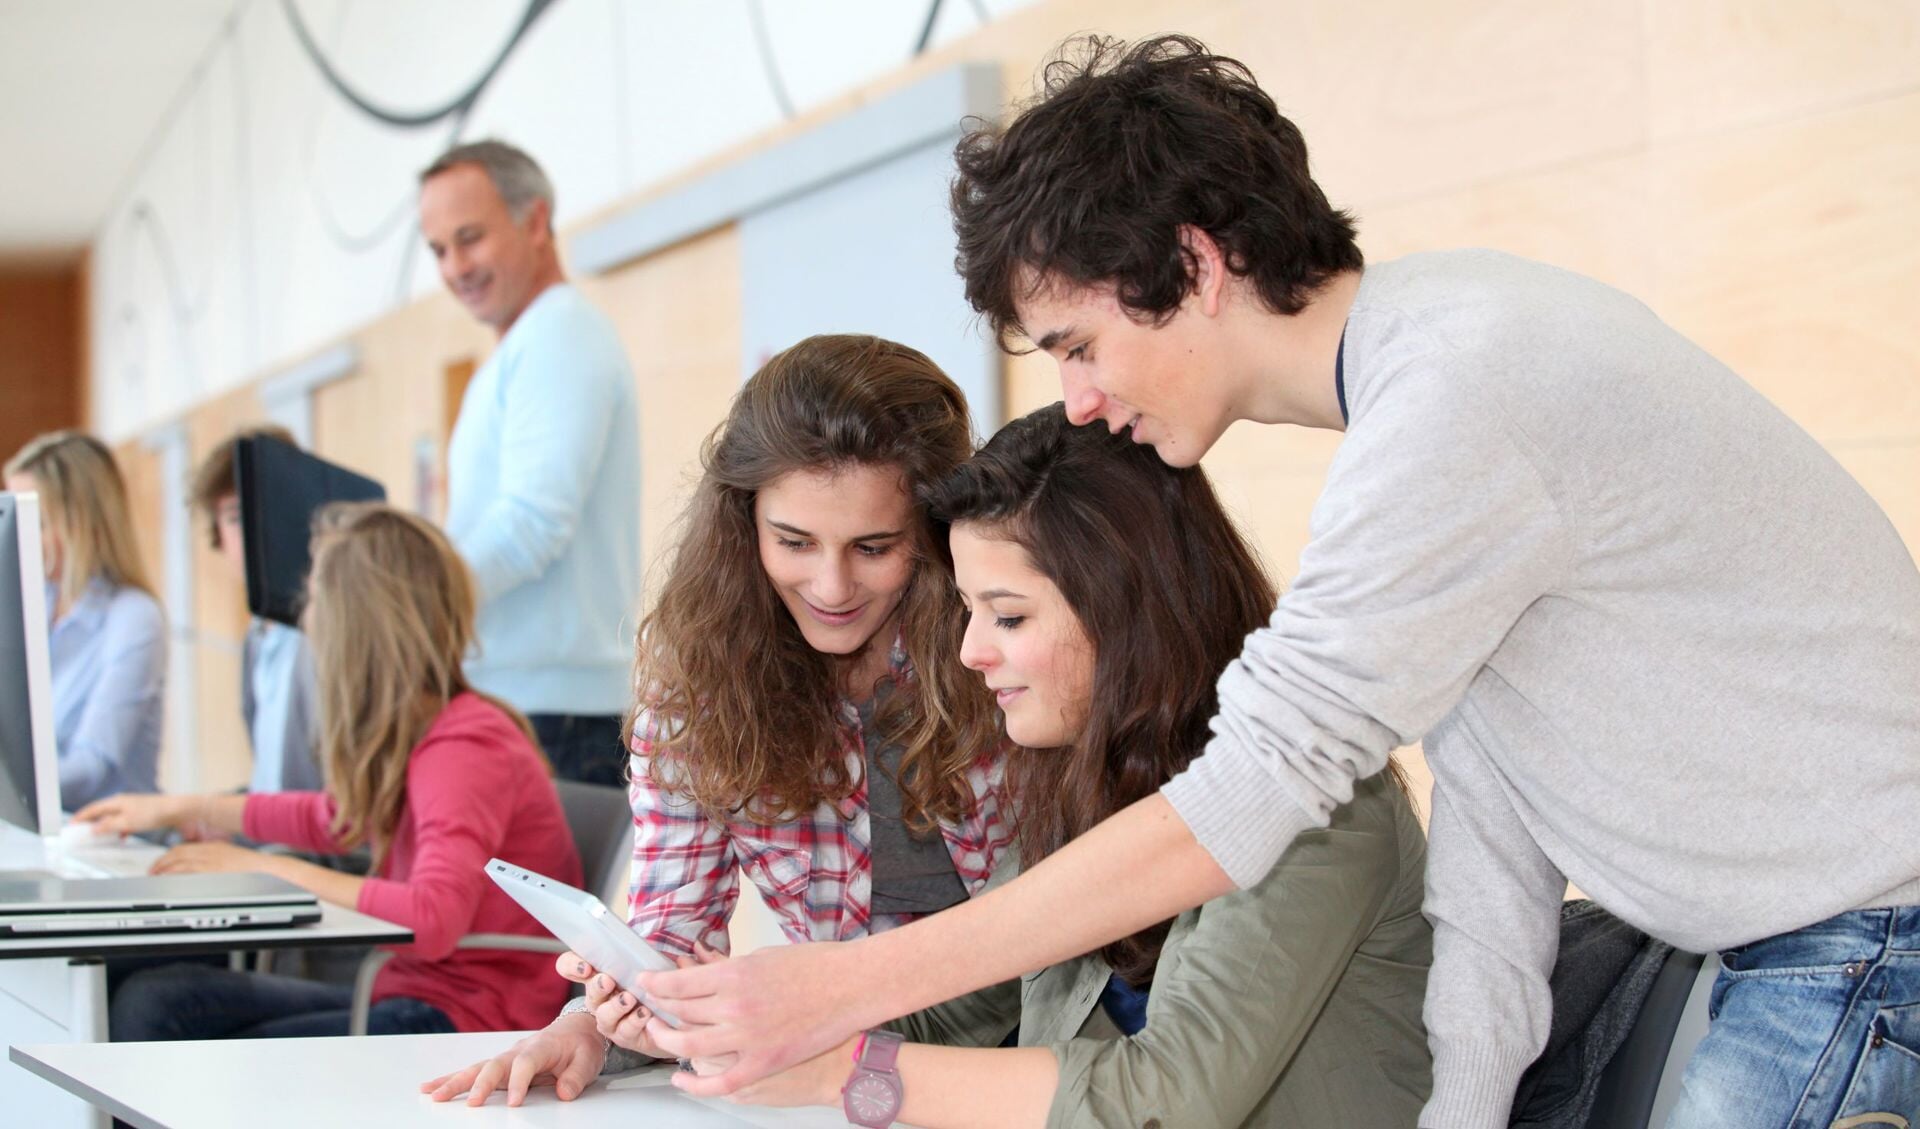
column 873, row 1095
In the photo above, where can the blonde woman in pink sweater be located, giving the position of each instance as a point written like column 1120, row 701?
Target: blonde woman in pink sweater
column 433, row 776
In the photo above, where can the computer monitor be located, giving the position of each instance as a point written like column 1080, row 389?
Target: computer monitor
column 29, row 768
column 280, row 488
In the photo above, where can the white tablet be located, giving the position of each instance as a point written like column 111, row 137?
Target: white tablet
column 583, row 922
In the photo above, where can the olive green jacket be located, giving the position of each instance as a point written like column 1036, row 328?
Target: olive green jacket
column 1293, row 1003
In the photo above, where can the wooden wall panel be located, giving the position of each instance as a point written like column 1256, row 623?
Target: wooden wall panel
column 1792, row 252
column 1721, row 64
column 220, row 618
column 41, row 373
column 377, row 420
column 1397, row 100
column 142, row 468
column 1595, row 217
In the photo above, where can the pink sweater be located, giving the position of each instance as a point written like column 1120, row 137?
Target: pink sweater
column 476, row 788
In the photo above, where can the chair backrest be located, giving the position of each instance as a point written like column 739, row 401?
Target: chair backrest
column 1632, row 1077
column 602, row 826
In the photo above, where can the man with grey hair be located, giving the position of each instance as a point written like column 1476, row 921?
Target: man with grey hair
column 543, row 471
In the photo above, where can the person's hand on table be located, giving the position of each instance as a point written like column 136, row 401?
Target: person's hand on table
column 130, row 813
column 772, row 1009
column 567, row 1055
column 209, row 858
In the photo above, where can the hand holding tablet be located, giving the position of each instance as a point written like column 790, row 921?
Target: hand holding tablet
column 588, row 928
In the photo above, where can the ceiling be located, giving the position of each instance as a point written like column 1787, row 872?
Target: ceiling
column 86, row 84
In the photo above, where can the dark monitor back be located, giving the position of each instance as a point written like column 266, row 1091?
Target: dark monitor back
column 281, row 488
column 18, row 798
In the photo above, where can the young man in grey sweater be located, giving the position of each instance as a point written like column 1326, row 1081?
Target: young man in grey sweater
column 1655, row 639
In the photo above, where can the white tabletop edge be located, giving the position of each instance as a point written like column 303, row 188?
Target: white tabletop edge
column 24, row 1058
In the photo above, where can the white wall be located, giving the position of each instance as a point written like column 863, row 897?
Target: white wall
column 271, row 215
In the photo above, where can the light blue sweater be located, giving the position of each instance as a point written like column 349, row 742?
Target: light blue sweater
column 281, row 706
column 543, row 477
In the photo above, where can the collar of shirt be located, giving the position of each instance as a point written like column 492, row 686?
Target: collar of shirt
column 86, row 612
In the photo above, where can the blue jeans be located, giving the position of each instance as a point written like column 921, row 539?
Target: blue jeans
column 583, row 747
column 194, row 1001
column 1814, row 1029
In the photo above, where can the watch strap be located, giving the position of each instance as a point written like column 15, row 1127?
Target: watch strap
column 879, row 1050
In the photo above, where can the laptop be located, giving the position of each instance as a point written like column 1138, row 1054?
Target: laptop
column 41, row 907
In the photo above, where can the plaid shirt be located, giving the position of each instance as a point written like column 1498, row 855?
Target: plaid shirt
column 815, row 872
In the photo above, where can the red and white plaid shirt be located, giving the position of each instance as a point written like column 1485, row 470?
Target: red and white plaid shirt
column 815, row 872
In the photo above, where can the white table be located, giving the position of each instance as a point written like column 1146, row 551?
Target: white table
column 54, row 989
column 368, row 1081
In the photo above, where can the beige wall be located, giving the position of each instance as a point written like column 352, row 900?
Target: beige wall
column 1750, row 170
column 219, row 620
column 1747, row 168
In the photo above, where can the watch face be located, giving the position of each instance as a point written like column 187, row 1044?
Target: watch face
column 872, row 1099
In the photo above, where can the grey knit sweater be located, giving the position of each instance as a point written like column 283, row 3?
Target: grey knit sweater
column 1656, row 639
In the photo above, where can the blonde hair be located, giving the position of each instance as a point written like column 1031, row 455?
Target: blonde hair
column 389, row 614
column 84, row 498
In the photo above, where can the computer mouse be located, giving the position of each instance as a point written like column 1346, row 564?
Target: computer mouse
column 74, row 833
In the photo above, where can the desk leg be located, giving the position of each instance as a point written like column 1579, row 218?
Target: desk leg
column 39, row 1003
column 87, row 1015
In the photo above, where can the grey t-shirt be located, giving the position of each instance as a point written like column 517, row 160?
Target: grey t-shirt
column 912, row 871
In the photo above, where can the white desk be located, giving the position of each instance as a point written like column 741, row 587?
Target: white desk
column 54, row 989
column 369, row 1081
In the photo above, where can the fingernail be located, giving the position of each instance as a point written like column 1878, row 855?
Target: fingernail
column 581, row 968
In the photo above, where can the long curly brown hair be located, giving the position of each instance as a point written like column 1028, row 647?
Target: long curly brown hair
column 1166, row 589
column 742, row 706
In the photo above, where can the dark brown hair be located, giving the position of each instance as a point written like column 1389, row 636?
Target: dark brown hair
column 742, row 705
column 1091, row 183
column 1164, row 586
column 213, row 478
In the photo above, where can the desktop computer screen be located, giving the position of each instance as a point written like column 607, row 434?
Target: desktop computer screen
column 280, row 489
column 29, row 772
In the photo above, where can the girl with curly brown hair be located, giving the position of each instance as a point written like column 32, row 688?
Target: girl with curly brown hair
column 803, row 715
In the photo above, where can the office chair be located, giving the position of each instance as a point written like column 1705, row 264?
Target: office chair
column 1658, row 1046
column 602, row 827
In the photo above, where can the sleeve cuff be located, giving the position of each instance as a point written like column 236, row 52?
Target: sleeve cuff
column 1473, row 1085
column 1237, row 811
column 618, row 1059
